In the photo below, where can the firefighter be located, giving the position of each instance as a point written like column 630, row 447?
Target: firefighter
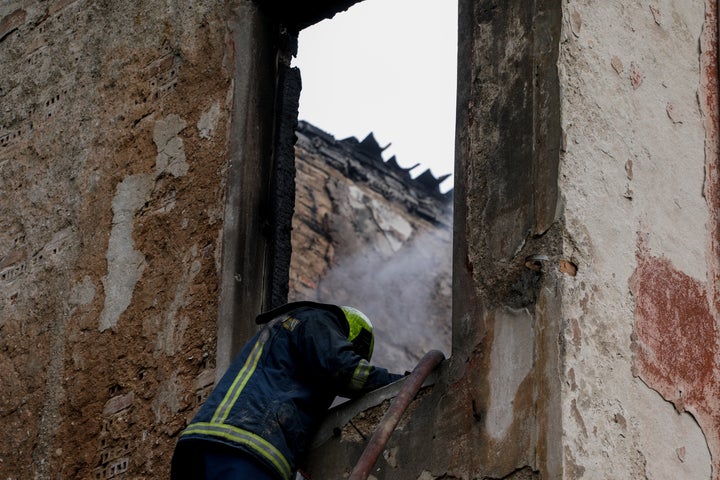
column 259, row 420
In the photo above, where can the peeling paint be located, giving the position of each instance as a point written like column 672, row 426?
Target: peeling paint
column 617, row 64
column 673, row 325
column 171, row 153
column 173, row 328
column 208, row 122
column 676, row 346
column 125, row 264
column 677, row 448
column 677, row 316
column 511, row 361
column 636, row 76
column 167, row 401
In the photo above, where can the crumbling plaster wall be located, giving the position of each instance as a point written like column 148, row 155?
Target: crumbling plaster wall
column 622, row 318
column 113, row 161
column 639, row 192
column 122, row 122
column 497, row 397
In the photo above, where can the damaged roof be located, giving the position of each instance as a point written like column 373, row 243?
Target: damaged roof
column 362, row 161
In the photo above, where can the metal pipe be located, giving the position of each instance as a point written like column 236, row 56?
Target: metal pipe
column 391, row 418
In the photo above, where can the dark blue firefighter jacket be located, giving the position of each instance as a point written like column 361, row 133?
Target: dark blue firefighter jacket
column 277, row 390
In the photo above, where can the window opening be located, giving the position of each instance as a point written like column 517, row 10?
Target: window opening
column 373, row 210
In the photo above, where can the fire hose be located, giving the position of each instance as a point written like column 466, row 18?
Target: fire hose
column 399, row 404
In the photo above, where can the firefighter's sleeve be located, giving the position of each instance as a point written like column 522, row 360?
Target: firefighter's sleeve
column 329, row 357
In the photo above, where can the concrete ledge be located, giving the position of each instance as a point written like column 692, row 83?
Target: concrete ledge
column 340, row 415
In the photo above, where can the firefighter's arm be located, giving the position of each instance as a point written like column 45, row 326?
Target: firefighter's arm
column 329, row 356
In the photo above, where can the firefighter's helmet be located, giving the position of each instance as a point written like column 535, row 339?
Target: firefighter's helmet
column 361, row 332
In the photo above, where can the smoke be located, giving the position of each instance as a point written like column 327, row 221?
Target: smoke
column 406, row 294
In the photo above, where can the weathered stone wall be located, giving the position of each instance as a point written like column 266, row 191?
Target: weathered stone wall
column 639, row 184
column 113, row 154
column 367, row 234
column 585, row 303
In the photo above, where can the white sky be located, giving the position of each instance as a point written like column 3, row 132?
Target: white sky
column 387, row 67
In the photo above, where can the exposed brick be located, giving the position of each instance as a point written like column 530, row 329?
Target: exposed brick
column 118, row 403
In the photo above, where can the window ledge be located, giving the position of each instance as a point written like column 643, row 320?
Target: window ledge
column 339, row 415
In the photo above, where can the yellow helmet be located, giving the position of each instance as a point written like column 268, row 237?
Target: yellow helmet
column 361, row 332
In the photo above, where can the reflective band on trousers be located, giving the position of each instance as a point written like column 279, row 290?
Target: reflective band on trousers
column 360, row 375
column 238, row 435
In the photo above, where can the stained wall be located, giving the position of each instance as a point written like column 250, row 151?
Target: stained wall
column 585, row 331
column 495, row 403
column 113, row 161
column 136, row 149
column 639, row 182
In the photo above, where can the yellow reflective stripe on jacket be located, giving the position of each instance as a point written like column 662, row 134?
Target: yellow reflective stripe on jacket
column 360, row 375
column 238, row 384
column 238, row 435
